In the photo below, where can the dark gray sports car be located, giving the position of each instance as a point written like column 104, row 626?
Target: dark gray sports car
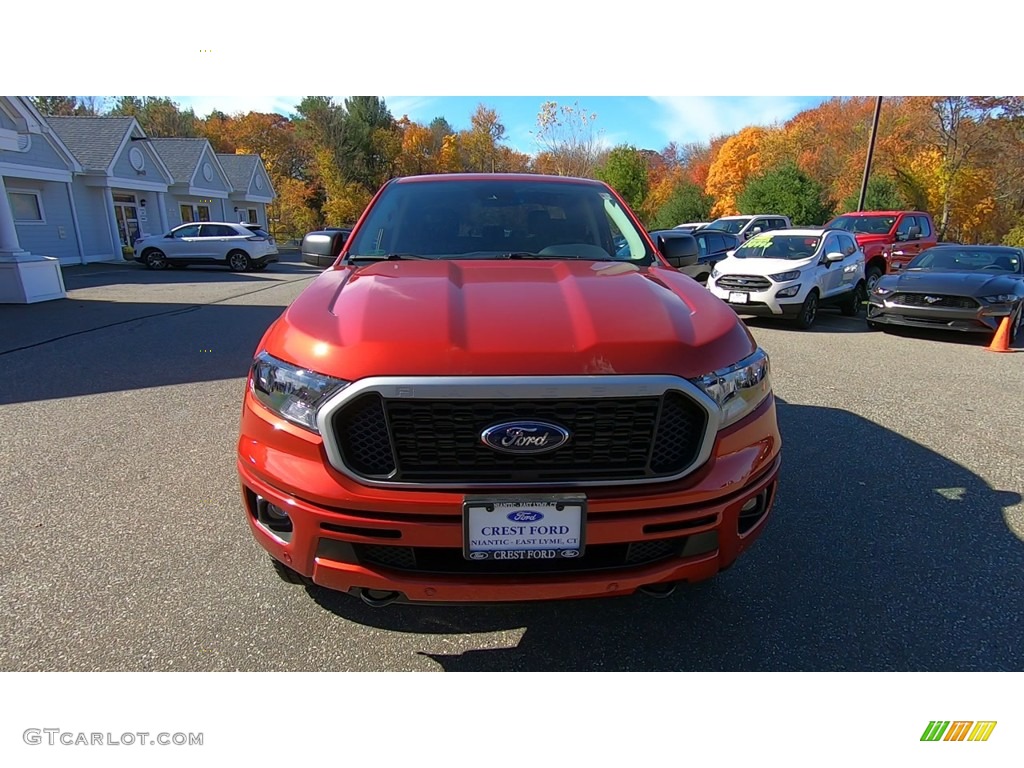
column 956, row 287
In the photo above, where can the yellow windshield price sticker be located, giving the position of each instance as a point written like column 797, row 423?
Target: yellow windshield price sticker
column 760, row 241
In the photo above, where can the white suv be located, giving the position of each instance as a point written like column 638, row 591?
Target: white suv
column 240, row 247
column 790, row 273
column 745, row 227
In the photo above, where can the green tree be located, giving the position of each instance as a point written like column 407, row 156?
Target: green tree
column 883, row 194
column 365, row 157
column 686, row 203
column 158, row 116
column 786, row 190
column 440, row 129
column 626, row 171
column 67, row 106
column 1015, row 236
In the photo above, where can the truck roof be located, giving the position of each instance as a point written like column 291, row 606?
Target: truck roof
column 496, row 177
column 882, row 213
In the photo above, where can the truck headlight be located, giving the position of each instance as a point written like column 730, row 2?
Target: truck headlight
column 291, row 392
column 878, row 290
column 785, row 277
column 715, row 273
column 740, row 388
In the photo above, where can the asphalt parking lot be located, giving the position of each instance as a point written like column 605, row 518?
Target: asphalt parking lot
column 897, row 542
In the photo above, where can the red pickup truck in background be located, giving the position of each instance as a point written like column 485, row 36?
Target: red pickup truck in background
column 889, row 239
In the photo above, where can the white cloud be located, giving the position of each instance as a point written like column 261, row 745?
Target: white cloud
column 687, row 119
column 416, row 107
column 204, row 105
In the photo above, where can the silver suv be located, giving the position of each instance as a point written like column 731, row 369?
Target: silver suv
column 240, row 247
column 745, row 227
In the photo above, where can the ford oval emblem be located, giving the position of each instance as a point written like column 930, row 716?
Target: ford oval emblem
column 478, row 555
column 525, row 437
column 525, row 516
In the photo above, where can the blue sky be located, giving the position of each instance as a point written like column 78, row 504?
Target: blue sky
column 646, row 122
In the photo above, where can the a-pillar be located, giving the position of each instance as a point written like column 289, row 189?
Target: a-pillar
column 24, row 277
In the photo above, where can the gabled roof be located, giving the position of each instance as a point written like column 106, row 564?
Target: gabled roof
column 181, row 156
column 239, row 170
column 94, row 141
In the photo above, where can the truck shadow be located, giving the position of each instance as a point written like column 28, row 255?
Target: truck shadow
column 952, row 337
column 132, row 273
column 891, row 557
column 828, row 321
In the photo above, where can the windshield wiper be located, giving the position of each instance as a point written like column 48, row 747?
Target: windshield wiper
column 385, row 257
column 558, row 256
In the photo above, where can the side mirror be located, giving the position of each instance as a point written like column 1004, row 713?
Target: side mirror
column 914, row 234
column 728, row 254
column 169, row 236
column 831, row 258
column 680, row 251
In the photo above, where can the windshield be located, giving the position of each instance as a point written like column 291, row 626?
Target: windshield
column 495, row 218
column 863, row 225
column 732, row 226
column 775, row 246
column 968, row 260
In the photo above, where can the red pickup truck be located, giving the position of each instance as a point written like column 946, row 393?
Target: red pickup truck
column 488, row 398
column 889, row 239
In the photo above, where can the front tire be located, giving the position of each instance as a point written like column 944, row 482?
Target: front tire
column 286, row 574
column 872, row 276
column 808, row 311
column 239, row 261
column 155, row 259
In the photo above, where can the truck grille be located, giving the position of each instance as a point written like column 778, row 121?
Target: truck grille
column 921, row 300
column 743, row 283
column 435, row 441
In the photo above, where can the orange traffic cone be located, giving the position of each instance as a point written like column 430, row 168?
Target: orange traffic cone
column 1001, row 342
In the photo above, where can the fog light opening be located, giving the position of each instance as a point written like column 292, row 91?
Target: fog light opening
column 274, row 519
column 752, row 512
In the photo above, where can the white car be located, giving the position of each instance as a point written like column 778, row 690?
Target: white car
column 745, row 227
column 240, row 247
column 790, row 273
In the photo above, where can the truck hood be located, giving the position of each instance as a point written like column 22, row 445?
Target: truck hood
column 510, row 318
column 864, row 239
column 953, row 283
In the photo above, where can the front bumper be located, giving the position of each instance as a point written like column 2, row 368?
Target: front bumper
column 766, row 303
column 350, row 537
column 982, row 319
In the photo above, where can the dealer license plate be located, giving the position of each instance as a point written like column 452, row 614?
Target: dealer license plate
column 523, row 528
column 738, row 298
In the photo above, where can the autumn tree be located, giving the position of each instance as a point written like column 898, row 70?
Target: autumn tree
column 567, row 137
column 737, row 160
column 625, row 170
column 883, row 194
column 786, row 190
column 479, row 144
column 959, row 136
